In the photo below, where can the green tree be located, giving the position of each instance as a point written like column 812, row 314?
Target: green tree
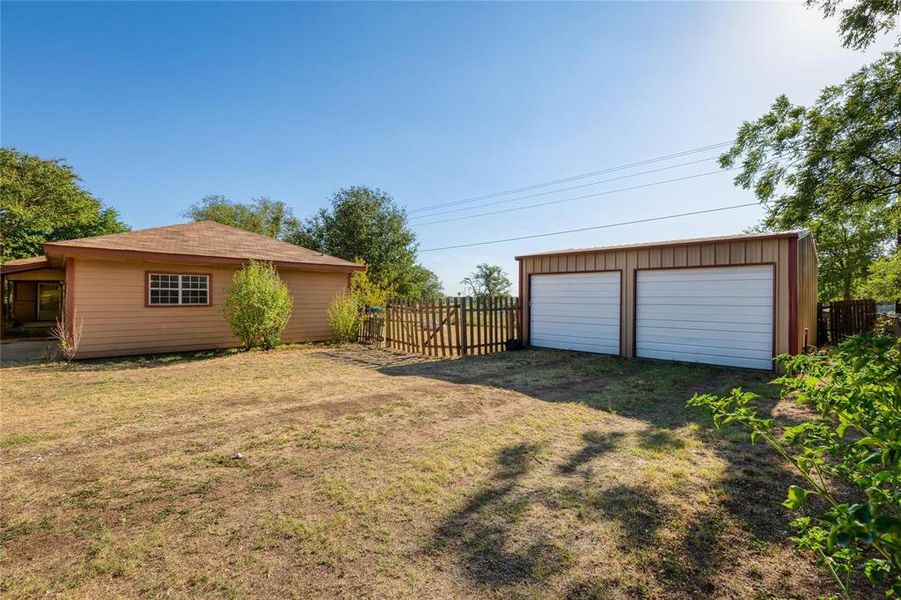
column 842, row 150
column 833, row 167
column 258, row 305
column 425, row 284
column 366, row 292
column 272, row 218
column 44, row 201
column 847, row 246
column 365, row 224
column 861, row 20
column 884, row 280
column 488, row 281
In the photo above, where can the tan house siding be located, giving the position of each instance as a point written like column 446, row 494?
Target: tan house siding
column 110, row 300
column 773, row 250
column 313, row 292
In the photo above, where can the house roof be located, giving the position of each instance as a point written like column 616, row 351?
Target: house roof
column 204, row 241
column 683, row 242
column 17, row 265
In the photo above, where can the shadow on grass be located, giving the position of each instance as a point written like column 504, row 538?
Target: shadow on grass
column 596, row 443
column 124, row 363
column 481, row 532
column 749, row 493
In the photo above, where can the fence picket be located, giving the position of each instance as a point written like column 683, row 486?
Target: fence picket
column 458, row 327
column 842, row 318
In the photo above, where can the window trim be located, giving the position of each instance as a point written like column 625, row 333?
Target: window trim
column 209, row 293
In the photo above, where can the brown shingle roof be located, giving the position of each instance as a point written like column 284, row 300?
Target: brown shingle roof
column 24, row 264
column 203, row 241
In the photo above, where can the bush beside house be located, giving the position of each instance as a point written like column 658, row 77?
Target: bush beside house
column 258, row 306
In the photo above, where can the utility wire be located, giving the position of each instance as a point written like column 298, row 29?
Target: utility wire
column 572, row 178
column 561, row 201
column 608, row 225
column 566, row 189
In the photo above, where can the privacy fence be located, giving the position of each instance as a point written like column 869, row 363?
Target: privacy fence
column 840, row 319
column 449, row 327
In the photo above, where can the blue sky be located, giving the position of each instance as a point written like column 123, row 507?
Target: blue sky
column 157, row 105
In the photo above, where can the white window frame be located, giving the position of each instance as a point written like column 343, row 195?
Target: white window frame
column 181, row 288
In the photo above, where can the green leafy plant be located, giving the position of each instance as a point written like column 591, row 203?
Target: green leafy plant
column 849, row 455
column 344, row 316
column 258, row 305
column 366, row 291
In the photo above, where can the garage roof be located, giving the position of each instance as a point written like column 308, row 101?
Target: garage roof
column 798, row 233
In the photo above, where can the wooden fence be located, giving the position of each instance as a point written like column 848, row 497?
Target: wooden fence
column 449, row 327
column 840, row 319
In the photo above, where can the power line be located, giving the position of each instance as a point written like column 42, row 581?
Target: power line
column 566, row 189
column 608, row 225
column 574, row 177
column 563, row 200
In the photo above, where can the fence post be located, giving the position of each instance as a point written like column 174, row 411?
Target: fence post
column 461, row 327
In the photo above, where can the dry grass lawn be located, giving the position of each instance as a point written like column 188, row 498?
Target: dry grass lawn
column 370, row 474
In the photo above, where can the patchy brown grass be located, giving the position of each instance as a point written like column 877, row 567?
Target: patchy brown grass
column 369, row 473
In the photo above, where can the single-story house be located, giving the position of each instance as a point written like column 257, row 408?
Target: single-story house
column 734, row 300
column 162, row 289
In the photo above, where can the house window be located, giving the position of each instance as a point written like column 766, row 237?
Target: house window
column 168, row 289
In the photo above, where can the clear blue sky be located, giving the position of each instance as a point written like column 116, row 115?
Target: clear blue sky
column 157, row 105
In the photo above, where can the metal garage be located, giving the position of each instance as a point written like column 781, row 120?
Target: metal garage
column 576, row 311
column 733, row 300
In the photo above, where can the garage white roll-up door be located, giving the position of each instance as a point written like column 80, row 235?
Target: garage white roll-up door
column 720, row 315
column 576, row 311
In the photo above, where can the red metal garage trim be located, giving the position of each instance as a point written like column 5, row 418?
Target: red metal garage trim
column 621, row 302
column 793, row 295
column 635, row 296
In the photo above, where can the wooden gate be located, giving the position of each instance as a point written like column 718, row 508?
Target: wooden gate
column 449, row 327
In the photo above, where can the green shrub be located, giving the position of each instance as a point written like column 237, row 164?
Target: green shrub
column 366, row 291
column 344, row 316
column 849, row 456
column 258, row 305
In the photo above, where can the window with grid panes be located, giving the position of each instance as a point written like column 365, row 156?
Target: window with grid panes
column 167, row 289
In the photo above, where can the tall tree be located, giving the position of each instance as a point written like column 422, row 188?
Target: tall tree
column 884, row 280
column 488, row 281
column 861, row 20
column 847, row 246
column 365, row 224
column 261, row 215
column 842, row 150
column 45, row 201
column 833, row 167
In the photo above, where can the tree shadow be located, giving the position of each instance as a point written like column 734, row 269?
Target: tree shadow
column 636, row 509
column 659, row 439
column 596, row 443
column 748, row 494
column 481, row 532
